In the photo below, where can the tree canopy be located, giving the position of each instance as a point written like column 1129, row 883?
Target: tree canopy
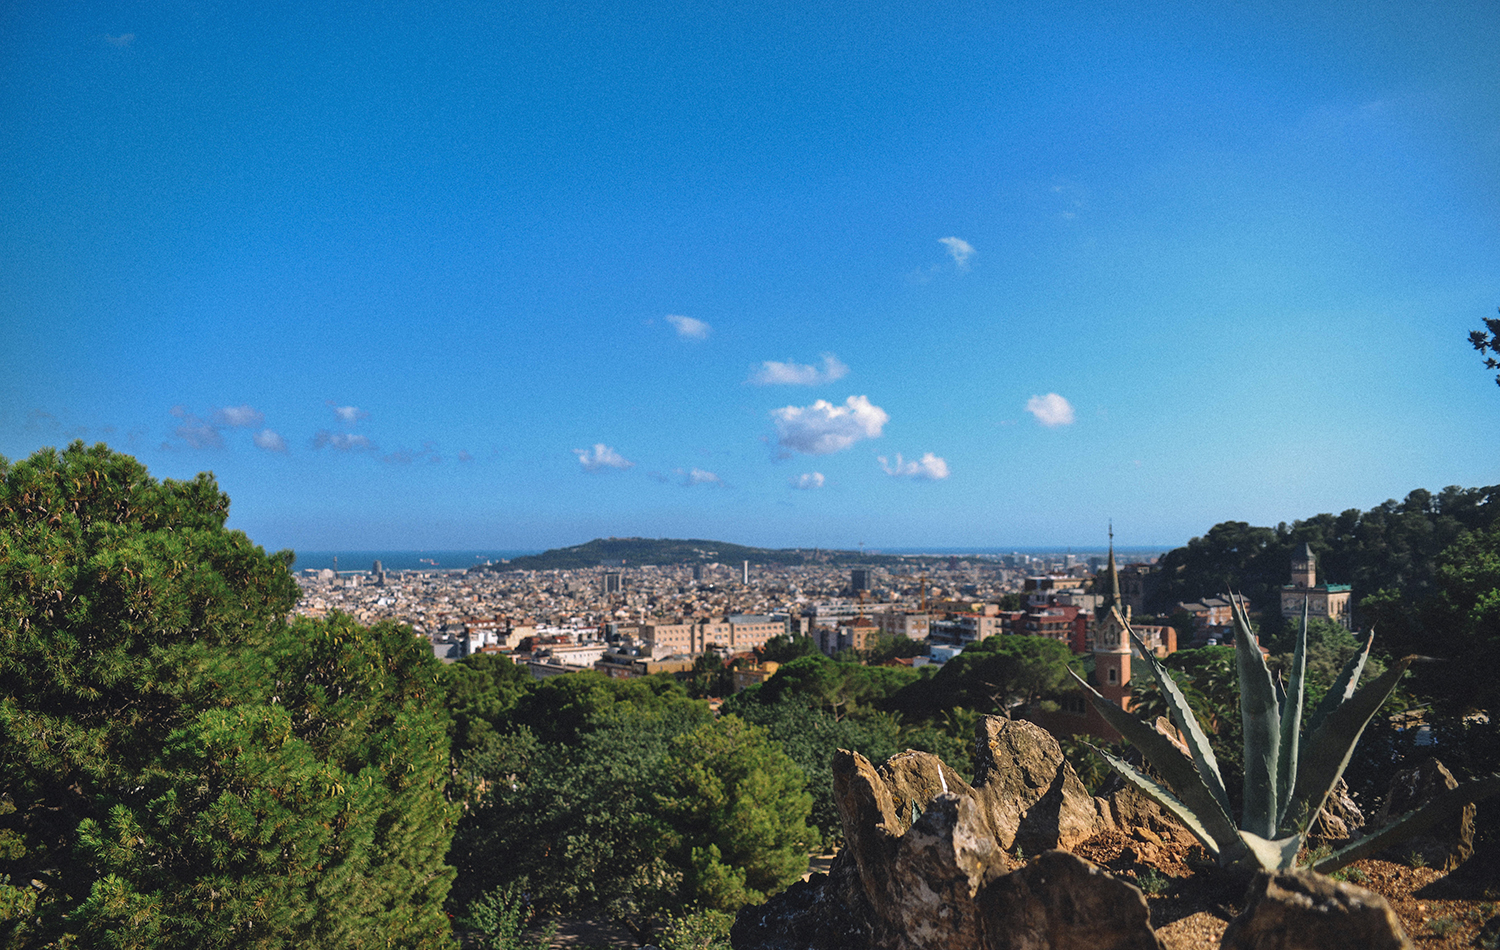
column 1488, row 343
column 185, row 767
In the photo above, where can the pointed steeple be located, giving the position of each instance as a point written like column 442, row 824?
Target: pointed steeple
column 1112, row 599
column 1114, row 575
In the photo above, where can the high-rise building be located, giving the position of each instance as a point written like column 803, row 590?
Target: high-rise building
column 611, row 582
column 859, row 579
column 745, row 578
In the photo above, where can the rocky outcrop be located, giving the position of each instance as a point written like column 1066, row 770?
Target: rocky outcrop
column 1062, row 902
column 932, row 862
column 1451, row 841
column 1340, row 818
column 1299, row 910
column 1030, row 794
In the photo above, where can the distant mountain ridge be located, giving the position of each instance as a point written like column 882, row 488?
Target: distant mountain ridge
column 637, row 552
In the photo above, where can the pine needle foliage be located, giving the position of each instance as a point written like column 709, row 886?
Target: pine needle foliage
column 184, row 767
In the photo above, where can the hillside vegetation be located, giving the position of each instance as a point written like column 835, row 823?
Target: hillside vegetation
column 635, row 552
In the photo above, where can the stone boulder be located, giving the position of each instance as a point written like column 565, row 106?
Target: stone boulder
column 1300, row 910
column 1030, row 794
column 929, row 861
column 1062, row 902
column 1340, row 819
column 1451, row 841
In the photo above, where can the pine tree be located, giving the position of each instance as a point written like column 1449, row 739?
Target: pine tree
column 184, row 766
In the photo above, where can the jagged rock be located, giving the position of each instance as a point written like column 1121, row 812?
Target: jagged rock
column 941, row 864
column 917, row 778
column 918, row 878
column 1301, row 910
column 1031, row 795
column 1062, row 902
column 1340, row 819
column 816, row 914
column 1448, row 844
column 923, row 858
column 1128, row 810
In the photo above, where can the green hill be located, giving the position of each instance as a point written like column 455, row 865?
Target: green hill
column 635, row 552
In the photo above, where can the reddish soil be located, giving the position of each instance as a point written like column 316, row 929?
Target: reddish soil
column 1192, row 901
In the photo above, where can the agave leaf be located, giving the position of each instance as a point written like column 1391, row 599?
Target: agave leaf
column 1330, row 746
column 1410, row 824
column 1278, row 855
column 1291, row 720
column 1262, row 728
column 1175, row 768
column 1187, row 724
column 1227, row 849
column 1343, row 687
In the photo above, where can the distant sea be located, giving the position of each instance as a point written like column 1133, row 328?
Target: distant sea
column 1121, row 553
column 401, row 560
column 461, row 560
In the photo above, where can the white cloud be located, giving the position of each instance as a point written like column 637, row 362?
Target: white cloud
column 960, row 249
column 348, row 415
column 1050, row 410
column 823, row 428
column 688, row 327
column 123, row 40
column 342, row 441
column 239, row 417
column 270, row 441
column 601, row 457
column 698, row 476
column 931, row 468
column 808, row 480
column 196, row 432
column 772, row 373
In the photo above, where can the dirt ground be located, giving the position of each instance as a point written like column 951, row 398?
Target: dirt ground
column 1191, row 903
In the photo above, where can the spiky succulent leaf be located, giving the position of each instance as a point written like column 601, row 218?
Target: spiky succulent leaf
column 1262, row 727
column 1291, row 720
column 1410, row 824
column 1278, row 855
column 1343, row 687
column 1187, row 724
column 1176, row 769
column 1226, row 850
column 1329, row 747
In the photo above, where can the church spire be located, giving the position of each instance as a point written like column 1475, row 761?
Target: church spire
column 1114, row 575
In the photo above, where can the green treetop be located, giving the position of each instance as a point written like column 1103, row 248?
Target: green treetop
column 184, row 767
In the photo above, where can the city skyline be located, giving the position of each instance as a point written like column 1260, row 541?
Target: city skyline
column 980, row 277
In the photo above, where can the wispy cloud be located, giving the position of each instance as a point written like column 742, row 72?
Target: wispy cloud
column 601, row 457
column 464, row 456
column 123, row 40
column 697, row 476
column 1050, row 410
column 689, row 328
column 348, row 415
column 930, row 468
column 196, row 432
column 342, row 441
column 808, row 480
column 823, row 428
column 239, row 417
column 427, row 453
column 270, row 441
column 960, row 250
column 773, row 373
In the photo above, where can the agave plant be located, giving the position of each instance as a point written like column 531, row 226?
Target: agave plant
column 1289, row 769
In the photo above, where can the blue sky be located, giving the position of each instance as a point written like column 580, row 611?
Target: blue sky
column 519, row 275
